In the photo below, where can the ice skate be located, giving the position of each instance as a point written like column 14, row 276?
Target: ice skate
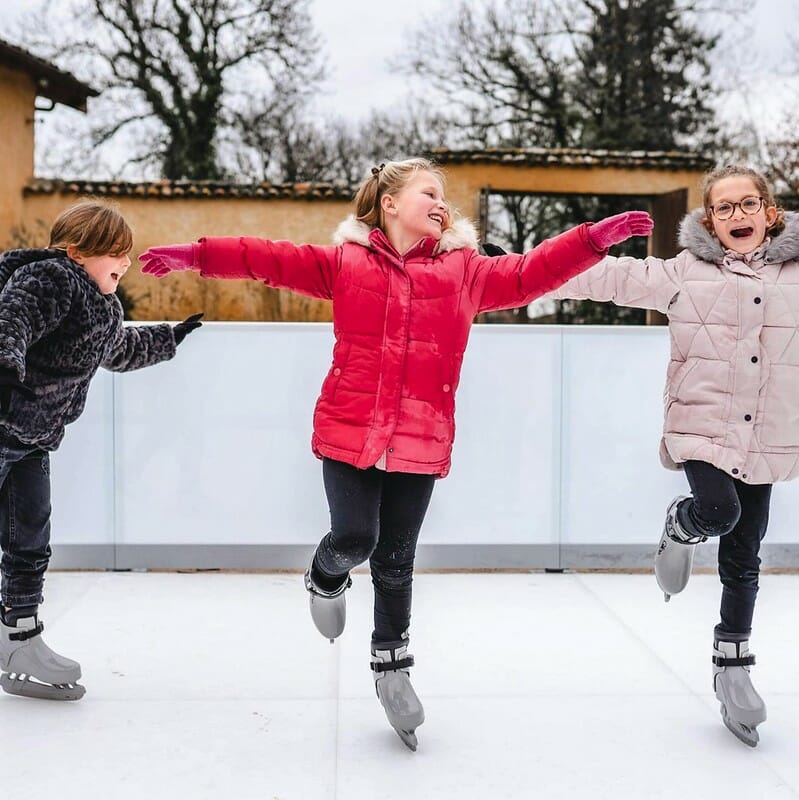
column 393, row 686
column 31, row 669
column 675, row 553
column 742, row 708
column 328, row 608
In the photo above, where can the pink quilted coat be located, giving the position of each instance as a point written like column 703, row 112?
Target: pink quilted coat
column 732, row 386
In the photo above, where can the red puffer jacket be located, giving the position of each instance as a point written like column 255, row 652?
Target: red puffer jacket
column 401, row 324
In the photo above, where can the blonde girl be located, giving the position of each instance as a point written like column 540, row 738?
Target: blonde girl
column 406, row 281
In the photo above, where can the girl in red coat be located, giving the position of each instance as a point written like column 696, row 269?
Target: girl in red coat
column 406, row 281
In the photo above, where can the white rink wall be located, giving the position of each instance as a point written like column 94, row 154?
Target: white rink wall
column 205, row 461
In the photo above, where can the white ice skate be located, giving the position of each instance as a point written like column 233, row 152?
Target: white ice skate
column 742, row 708
column 328, row 608
column 393, row 686
column 31, row 669
column 675, row 553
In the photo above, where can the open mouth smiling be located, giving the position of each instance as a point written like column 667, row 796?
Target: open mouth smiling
column 742, row 233
column 437, row 218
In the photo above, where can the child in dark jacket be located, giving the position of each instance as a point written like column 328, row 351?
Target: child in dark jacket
column 406, row 281
column 59, row 322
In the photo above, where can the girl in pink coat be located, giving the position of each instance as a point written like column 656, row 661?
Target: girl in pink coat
column 731, row 399
column 406, row 282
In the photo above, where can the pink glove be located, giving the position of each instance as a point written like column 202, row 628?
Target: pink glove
column 160, row 261
column 615, row 229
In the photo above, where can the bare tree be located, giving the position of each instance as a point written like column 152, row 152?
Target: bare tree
column 181, row 65
column 781, row 154
column 502, row 71
column 643, row 75
column 781, row 149
column 604, row 74
column 563, row 73
column 297, row 146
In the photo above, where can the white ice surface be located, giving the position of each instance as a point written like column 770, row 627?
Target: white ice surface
column 534, row 685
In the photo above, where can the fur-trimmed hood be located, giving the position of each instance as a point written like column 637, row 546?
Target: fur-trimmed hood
column 696, row 238
column 462, row 233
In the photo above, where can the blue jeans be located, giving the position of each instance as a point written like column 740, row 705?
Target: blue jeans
column 24, row 522
column 375, row 515
column 738, row 513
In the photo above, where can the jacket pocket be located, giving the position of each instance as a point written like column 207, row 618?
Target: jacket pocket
column 780, row 425
column 449, row 377
column 341, row 355
column 681, row 371
column 698, row 398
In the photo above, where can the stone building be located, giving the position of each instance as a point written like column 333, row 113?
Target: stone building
column 167, row 211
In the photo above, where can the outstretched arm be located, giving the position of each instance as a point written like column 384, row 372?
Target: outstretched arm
column 635, row 282
column 639, row 283
column 308, row 269
column 513, row 280
column 138, row 346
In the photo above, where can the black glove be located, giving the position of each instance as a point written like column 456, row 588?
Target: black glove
column 9, row 383
column 183, row 329
column 493, row 249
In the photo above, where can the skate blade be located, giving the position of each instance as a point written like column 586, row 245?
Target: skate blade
column 25, row 686
column 666, row 597
column 331, row 626
column 408, row 738
column 749, row 736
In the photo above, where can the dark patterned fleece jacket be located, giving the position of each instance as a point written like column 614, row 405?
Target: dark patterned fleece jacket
column 56, row 330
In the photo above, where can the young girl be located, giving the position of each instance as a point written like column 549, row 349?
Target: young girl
column 731, row 400
column 59, row 322
column 406, row 281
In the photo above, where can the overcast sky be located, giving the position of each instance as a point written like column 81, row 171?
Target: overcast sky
column 360, row 36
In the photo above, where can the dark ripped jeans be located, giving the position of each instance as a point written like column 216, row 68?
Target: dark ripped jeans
column 738, row 513
column 24, row 522
column 375, row 515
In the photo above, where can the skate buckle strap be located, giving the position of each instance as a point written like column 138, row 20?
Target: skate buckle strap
column 723, row 661
column 21, row 636
column 320, row 592
column 388, row 666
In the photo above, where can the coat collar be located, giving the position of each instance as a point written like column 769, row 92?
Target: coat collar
column 696, row 238
column 461, row 234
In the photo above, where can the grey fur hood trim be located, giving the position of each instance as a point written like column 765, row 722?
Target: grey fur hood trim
column 699, row 241
column 461, row 234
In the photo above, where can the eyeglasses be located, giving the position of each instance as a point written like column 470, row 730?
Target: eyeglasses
column 749, row 205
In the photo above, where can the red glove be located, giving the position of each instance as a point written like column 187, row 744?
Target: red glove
column 160, row 261
column 615, row 229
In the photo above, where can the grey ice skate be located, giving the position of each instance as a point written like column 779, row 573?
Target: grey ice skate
column 675, row 553
column 742, row 708
column 31, row 669
column 328, row 608
column 393, row 686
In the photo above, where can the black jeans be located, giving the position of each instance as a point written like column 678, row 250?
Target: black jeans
column 24, row 522
column 375, row 515
column 738, row 513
